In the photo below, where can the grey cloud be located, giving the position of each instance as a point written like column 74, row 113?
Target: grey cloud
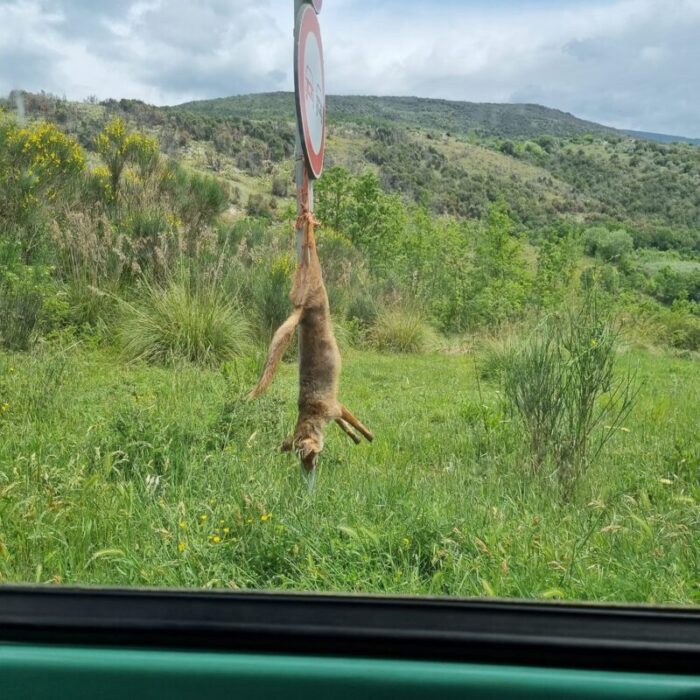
column 629, row 63
column 87, row 20
column 26, row 68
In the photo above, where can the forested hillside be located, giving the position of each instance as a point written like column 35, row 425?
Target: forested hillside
column 460, row 118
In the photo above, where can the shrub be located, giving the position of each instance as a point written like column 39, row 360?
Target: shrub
column 117, row 147
column 203, row 200
column 279, row 186
column 677, row 327
column 258, row 205
column 562, row 385
column 608, row 245
column 402, row 331
column 672, row 283
column 178, row 323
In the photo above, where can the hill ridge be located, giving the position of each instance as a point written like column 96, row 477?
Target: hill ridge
column 510, row 119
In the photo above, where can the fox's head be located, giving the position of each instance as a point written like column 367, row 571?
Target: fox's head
column 307, row 443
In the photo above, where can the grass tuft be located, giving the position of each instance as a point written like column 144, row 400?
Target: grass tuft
column 402, row 331
column 176, row 323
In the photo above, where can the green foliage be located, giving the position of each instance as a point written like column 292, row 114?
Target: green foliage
column 402, row 331
column 332, row 197
column 562, row 385
column 20, row 311
column 671, row 283
column 177, row 323
column 259, row 206
column 498, row 280
column 512, row 121
column 198, row 199
column 557, row 257
column 652, row 324
column 268, row 289
column 608, row 245
column 39, row 166
column 280, row 186
column 117, row 146
column 30, row 302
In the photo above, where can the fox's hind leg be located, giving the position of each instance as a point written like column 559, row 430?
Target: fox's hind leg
column 345, row 427
column 347, row 416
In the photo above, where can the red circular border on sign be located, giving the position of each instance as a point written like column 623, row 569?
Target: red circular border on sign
column 308, row 24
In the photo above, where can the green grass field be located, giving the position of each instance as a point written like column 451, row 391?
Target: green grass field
column 118, row 474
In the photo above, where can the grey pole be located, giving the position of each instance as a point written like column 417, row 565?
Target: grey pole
column 300, row 169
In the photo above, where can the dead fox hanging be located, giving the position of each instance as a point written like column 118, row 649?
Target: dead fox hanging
column 319, row 358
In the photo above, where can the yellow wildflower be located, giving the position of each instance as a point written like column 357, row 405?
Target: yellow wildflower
column 183, row 525
column 203, row 517
column 265, row 517
column 181, row 547
column 216, row 539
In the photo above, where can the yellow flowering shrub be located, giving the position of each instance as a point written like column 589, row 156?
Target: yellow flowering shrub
column 47, row 159
column 117, row 146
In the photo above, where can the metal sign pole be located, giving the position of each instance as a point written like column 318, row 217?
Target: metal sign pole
column 300, row 169
column 310, row 102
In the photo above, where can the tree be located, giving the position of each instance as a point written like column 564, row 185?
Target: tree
column 498, row 281
column 332, row 195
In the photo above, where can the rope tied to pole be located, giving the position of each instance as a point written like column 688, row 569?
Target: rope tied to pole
column 306, row 221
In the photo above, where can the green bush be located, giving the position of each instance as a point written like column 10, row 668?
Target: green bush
column 562, row 385
column 672, row 283
column 258, row 206
column 402, row 331
column 176, row 323
column 649, row 323
column 280, row 187
column 608, row 245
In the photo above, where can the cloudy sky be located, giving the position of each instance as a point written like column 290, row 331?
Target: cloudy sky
column 628, row 63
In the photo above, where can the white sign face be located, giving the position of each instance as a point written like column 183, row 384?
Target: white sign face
column 310, row 89
column 313, row 92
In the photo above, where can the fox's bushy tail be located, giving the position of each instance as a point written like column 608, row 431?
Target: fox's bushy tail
column 279, row 344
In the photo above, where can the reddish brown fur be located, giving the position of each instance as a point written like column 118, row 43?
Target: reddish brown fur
column 319, row 359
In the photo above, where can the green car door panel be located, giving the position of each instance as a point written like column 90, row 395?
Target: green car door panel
column 39, row 672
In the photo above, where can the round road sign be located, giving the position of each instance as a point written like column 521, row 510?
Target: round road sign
column 309, row 88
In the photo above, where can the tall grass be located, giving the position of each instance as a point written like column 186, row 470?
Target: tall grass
column 20, row 310
column 180, row 323
column 402, row 331
column 139, row 475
